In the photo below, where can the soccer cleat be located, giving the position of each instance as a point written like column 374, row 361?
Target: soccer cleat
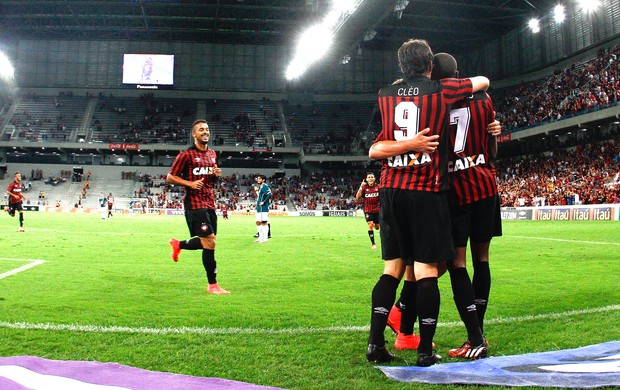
column 406, row 341
column 256, row 235
column 411, row 341
column 374, row 246
column 376, row 354
column 176, row 249
column 21, row 229
column 469, row 352
column 393, row 320
column 426, row 360
column 216, row 289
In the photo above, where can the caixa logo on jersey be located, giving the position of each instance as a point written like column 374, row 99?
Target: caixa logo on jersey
column 200, row 171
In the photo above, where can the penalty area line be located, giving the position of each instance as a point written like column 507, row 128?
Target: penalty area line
column 268, row 331
column 33, row 263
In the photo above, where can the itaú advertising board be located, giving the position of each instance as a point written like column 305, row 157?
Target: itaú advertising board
column 599, row 212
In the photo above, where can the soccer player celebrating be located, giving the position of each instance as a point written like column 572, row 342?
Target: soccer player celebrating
column 196, row 169
column 474, row 206
column 414, row 215
column 263, row 196
column 14, row 190
column 369, row 191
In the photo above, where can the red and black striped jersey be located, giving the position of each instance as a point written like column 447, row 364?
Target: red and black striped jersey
column 472, row 176
column 194, row 164
column 370, row 194
column 407, row 107
column 15, row 188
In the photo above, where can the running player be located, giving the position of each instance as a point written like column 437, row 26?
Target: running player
column 369, row 191
column 196, row 169
column 16, row 197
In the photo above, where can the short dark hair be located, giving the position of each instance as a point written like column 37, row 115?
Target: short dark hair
column 263, row 177
column 197, row 121
column 370, row 173
column 444, row 66
column 415, row 57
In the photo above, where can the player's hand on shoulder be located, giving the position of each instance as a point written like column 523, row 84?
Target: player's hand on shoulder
column 494, row 128
column 422, row 142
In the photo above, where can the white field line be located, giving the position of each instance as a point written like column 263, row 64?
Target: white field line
column 565, row 240
column 33, row 263
column 179, row 233
column 268, row 331
column 121, row 233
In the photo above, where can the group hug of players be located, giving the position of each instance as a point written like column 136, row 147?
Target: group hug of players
column 437, row 190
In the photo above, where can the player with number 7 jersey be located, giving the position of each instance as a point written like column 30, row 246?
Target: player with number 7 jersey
column 408, row 106
column 472, row 176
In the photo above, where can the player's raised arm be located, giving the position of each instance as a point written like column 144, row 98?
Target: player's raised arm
column 479, row 83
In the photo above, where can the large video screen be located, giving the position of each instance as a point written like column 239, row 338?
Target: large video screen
column 150, row 69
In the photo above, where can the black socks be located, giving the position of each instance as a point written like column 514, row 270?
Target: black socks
column 383, row 296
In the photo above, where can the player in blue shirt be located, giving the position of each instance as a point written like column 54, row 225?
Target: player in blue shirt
column 263, row 197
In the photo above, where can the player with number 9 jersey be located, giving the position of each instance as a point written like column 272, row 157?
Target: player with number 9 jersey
column 408, row 106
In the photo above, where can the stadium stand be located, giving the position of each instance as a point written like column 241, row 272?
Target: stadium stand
column 327, row 127
column 143, row 120
column 48, row 118
column 585, row 174
column 243, row 123
column 583, row 87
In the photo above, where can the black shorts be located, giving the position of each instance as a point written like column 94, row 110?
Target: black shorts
column 201, row 222
column 372, row 217
column 15, row 207
column 415, row 226
column 479, row 221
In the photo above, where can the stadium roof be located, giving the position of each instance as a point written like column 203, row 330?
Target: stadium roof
column 455, row 26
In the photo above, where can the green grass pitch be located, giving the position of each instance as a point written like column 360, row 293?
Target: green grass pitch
column 299, row 310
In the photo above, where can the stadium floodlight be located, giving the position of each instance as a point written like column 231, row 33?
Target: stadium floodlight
column 534, row 25
column 316, row 40
column 558, row 13
column 7, row 71
column 312, row 45
column 345, row 6
column 588, row 6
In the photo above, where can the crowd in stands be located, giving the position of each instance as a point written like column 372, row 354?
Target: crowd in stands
column 585, row 174
column 151, row 128
column 324, row 191
column 576, row 90
column 245, row 128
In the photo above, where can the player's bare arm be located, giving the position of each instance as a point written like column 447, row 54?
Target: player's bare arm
column 195, row 185
column 421, row 142
column 479, row 83
column 358, row 195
